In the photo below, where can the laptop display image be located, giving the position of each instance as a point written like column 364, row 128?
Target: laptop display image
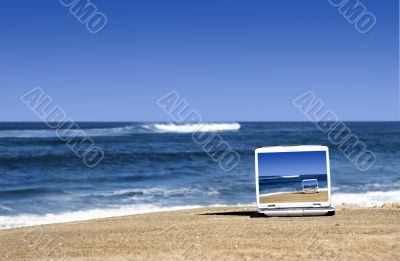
column 292, row 177
column 286, row 177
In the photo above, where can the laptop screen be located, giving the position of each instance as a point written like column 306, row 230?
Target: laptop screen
column 292, row 177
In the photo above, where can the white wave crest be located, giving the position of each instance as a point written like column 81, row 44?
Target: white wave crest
column 367, row 199
column 27, row 134
column 188, row 128
column 121, row 131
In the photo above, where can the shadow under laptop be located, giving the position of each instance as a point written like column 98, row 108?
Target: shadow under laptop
column 251, row 214
column 255, row 214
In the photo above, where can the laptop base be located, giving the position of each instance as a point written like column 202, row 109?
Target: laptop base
column 297, row 212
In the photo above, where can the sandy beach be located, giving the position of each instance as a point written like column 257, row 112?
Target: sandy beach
column 295, row 197
column 228, row 233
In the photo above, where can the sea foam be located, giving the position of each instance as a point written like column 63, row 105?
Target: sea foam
column 122, row 131
column 187, row 128
column 367, row 199
column 26, row 220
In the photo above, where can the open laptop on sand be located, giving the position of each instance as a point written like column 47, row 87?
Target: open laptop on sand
column 293, row 181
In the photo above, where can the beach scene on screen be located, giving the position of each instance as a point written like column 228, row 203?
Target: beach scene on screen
column 290, row 177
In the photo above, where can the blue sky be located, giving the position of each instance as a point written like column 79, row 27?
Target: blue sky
column 232, row 60
column 301, row 163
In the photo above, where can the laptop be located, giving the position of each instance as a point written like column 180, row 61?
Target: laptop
column 293, row 181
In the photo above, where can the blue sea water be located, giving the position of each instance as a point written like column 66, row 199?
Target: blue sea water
column 156, row 166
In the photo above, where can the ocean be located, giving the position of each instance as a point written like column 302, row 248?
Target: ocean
column 157, row 166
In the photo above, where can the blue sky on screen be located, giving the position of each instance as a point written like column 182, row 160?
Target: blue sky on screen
column 232, row 60
column 291, row 163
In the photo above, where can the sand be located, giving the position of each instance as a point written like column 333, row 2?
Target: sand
column 295, row 197
column 213, row 234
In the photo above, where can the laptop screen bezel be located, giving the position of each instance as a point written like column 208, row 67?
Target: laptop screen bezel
column 302, row 148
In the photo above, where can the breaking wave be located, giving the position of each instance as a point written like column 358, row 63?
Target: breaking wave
column 25, row 220
column 121, row 131
column 187, row 128
column 367, row 199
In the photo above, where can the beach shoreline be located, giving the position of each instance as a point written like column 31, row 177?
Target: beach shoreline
column 217, row 233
